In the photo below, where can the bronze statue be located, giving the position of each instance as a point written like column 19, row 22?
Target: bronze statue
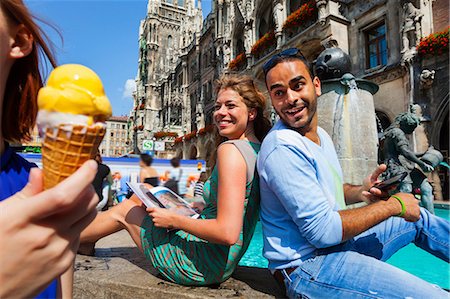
column 400, row 158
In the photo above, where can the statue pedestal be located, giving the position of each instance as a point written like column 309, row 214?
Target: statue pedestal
column 347, row 113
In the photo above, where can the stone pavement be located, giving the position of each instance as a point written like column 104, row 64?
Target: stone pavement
column 119, row 270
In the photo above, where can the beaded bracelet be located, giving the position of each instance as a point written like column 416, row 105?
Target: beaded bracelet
column 402, row 204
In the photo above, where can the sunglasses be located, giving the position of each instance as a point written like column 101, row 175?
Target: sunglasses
column 275, row 59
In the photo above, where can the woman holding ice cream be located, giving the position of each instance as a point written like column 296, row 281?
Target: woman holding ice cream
column 39, row 229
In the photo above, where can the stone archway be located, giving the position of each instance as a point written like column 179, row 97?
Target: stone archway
column 193, row 153
column 383, row 122
column 179, row 153
column 444, row 148
column 440, row 139
column 209, row 151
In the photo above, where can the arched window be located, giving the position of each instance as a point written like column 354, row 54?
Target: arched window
column 263, row 28
column 266, row 22
column 169, row 42
column 240, row 48
column 383, row 122
column 294, row 5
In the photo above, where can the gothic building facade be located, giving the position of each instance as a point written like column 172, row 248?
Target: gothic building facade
column 165, row 37
column 384, row 39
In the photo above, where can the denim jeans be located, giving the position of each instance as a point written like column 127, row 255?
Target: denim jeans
column 356, row 268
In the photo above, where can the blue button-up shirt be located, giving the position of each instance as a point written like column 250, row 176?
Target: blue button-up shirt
column 301, row 192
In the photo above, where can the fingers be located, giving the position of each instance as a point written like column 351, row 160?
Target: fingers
column 412, row 208
column 87, row 202
column 79, row 180
column 379, row 170
column 34, row 185
column 151, row 209
column 81, row 224
column 65, row 195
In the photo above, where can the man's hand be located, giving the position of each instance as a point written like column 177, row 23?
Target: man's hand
column 40, row 230
column 412, row 208
column 369, row 192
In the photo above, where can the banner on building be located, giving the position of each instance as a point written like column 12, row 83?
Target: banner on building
column 147, row 145
column 160, row 146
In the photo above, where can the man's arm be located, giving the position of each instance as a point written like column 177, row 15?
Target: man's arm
column 365, row 192
column 358, row 220
column 298, row 190
column 353, row 193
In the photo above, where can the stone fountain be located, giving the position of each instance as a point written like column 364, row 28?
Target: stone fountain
column 346, row 111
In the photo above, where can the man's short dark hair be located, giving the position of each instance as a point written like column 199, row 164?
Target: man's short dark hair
column 287, row 55
column 147, row 159
column 175, row 162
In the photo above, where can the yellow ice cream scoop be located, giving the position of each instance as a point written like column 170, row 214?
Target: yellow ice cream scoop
column 75, row 89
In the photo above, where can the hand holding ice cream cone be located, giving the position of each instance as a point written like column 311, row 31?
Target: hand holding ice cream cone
column 73, row 109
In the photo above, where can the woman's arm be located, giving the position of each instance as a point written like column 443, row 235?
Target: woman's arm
column 65, row 284
column 225, row 229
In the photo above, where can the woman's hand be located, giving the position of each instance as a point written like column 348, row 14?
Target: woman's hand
column 163, row 217
column 198, row 206
column 40, row 230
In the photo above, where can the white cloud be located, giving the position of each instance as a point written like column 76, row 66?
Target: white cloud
column 130, row 86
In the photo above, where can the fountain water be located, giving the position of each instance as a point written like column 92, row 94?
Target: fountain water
column 346, row 111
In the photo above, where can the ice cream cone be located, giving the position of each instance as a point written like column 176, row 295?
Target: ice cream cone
column 73, row 109
column 66, row 147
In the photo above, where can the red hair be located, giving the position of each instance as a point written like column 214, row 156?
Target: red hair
column 24, row 80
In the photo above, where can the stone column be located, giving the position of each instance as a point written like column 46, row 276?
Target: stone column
column 219, row 20
column 279, row 16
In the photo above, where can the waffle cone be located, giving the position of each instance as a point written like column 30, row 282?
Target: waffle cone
column 66, row 148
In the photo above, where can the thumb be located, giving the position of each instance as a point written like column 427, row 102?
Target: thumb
column 34, row 185
column 66, row 195
column 379, row 170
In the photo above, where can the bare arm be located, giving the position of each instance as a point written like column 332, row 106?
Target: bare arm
column 225, row 229
column 65, row 285
column 354, row 194
column 356, row 221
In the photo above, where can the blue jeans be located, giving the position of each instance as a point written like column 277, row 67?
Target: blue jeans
column 356, row 268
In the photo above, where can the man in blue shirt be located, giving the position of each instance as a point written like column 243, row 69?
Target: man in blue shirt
column 315, row 247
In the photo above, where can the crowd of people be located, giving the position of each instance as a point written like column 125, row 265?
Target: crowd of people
column 287, row 175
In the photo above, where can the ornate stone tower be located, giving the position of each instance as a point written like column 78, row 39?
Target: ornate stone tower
column 169, row 27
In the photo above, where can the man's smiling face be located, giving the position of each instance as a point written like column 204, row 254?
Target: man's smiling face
column 294, row 94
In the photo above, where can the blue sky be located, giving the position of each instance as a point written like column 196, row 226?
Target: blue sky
column 102, row 35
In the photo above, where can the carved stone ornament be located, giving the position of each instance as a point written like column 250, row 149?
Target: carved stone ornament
column 278, row 12
column 427, row 78
column 322, row 11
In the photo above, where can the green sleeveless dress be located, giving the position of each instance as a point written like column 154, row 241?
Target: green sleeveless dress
column 188, row 260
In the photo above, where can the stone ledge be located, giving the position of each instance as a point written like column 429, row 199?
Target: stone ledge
column 119, row 270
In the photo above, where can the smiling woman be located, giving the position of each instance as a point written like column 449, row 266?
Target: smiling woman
column 207, row 249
